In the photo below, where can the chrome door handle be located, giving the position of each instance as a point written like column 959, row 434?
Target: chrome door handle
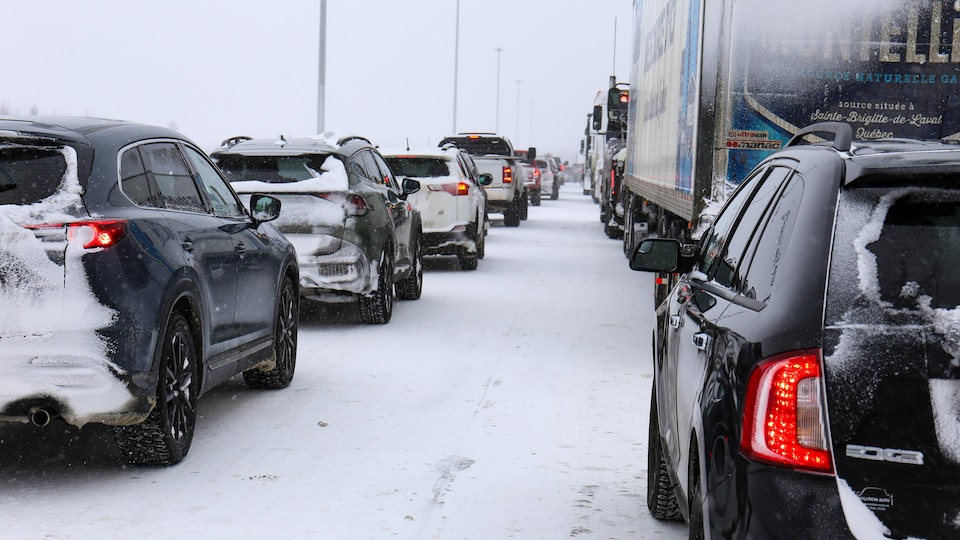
column 701, row 341
column 675, row 321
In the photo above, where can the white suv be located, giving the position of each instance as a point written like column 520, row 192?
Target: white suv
column 451, row 201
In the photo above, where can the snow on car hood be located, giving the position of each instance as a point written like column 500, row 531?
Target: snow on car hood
column 63, row 313
column 332, row 177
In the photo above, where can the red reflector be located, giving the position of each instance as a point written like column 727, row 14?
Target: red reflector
column 658, row 280
column 783, row 413
column 97, row 234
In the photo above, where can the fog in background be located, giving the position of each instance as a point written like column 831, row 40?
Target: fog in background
column 215, row 69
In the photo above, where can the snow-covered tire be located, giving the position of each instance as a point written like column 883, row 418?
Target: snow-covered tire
column 524, row 206
column 164, row 437
column 661, row 500
column 377, row 307
column 284, row 344
column 476, row 232
column 555, row 193
column 511, row 216
column 535, row 198
column 410, row 287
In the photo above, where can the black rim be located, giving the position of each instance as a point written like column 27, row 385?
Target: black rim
column 386, row 283
column 287, row 330
column 178, row 380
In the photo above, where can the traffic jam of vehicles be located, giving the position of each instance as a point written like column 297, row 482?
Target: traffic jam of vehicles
column 116, row 231
column 794, row 189
column 799, row 213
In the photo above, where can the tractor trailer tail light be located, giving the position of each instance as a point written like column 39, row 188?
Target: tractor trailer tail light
column 783, row 414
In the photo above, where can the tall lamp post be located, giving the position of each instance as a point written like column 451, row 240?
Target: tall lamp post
column 322, row 75
column 498, row 50
column 518, row 111
column 456, row 67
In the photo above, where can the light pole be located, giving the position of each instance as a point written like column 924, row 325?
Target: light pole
column 518, row 111
column 322, row 75
column 456, row 67
column 498, row 50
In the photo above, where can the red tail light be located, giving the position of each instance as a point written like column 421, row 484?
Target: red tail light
column 455, row 189
column 93, row 234
column 353, row 204
column 783, row 416
column 536, row 174
column 507, row 175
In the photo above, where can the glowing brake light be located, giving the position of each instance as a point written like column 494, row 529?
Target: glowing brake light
column 507, row 175
column 96, row 234
column 783, row 413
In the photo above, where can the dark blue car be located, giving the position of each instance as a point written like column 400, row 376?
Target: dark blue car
column 133, row 280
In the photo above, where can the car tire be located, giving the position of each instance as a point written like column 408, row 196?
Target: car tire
column 695, row 496
column 524, row 207
column 164, row 437
column 661, row 500
column 410, row 287
column 284, row 344
column 535, row 198
column 468, row 262
column 476, row 233
column 511, row 216
column 555, row 194
column 377, row 307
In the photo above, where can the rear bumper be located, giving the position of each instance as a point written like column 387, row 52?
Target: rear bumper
column 327, row 277
column 51, row 375
column 455, row 242
column 761, row 502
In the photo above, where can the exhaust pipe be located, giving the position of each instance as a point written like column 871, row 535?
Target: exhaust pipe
column 40, row 416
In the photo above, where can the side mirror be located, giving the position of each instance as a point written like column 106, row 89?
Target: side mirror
column 582, row 146
column 656, row 255
column 410, row 186
column 531, row 153
column 485, row 179
column 597, row 117
column 264, row 208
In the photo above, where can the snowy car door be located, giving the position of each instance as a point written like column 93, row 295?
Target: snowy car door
column 258, row 265
column 400, row 210
column 206, row 248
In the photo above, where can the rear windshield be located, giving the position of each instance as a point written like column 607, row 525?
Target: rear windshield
column 270, row 169
column 29, row 174
column 897, row 248
column 418, row 167
column 480, row 146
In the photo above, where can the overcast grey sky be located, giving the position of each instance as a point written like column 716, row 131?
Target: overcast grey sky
column 217, row 68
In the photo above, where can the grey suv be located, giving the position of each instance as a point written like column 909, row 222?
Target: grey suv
column 357, row 237
column 807, row 363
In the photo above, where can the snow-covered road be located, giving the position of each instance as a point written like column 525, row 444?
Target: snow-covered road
column 510, row 402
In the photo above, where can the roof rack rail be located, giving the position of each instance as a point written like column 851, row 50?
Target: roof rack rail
column 842, row 135
column 235, row 140
column 349, row 138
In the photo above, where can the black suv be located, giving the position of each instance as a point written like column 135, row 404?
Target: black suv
column 357, row 236
column 807, row 363
column 133, row 281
